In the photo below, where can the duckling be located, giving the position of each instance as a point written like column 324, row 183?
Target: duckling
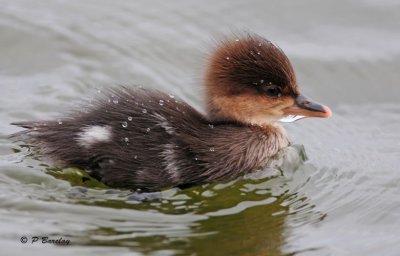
column 144, row 139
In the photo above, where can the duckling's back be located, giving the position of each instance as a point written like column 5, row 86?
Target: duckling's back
column 120, row 139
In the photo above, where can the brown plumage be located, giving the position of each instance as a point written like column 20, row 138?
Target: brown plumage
column 145, row 139
column 238, row 70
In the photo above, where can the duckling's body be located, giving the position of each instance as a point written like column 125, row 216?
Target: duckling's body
column 138, row 143
column 145, row 139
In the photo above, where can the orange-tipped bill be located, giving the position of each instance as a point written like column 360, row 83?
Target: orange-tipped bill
column 305, row 107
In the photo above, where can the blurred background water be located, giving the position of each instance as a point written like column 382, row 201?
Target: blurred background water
column 343, row 200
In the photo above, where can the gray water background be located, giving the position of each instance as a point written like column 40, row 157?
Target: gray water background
column 343, row 201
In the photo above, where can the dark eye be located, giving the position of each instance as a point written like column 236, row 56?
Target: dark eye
column 271, row 90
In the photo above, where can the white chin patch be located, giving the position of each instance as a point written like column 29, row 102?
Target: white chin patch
column 91, row 135
column 290, row 118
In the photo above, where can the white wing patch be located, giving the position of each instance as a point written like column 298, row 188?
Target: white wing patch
column 171, row 161
column 91, row 135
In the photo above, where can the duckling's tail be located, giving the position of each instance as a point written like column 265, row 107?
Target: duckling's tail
column 26, row 135
column 27, row 124
column 48, row 138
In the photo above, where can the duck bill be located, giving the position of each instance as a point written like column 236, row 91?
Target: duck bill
column 304, row 106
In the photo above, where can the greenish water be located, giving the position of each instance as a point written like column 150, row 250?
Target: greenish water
column 335, row 191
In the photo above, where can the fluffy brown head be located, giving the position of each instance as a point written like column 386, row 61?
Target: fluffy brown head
column 249, row 80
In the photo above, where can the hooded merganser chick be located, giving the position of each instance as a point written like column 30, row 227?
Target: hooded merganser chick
column 144, row 139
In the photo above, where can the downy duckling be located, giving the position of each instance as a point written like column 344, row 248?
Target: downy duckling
column 145, row 139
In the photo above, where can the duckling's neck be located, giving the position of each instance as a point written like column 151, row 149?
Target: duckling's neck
column 273, row 129
column 235, row 149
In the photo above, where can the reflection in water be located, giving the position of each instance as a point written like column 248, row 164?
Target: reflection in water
column 249, row 216
column 258, row 230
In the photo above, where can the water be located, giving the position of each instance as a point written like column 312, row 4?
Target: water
column 343, row 200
